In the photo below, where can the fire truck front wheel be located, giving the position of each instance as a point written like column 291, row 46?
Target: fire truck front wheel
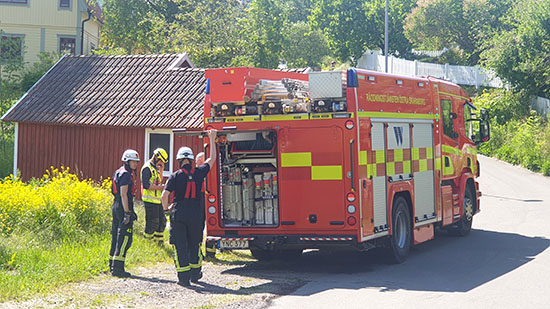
column 400, row 240
column 464, row 226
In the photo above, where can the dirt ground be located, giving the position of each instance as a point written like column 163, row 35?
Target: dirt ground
column 225, row 284
column 232, row 281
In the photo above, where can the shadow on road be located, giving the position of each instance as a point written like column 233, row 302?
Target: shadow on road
column 451, row 264
column 513, row 199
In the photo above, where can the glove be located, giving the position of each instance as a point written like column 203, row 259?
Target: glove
column 134, row 216
column 126, row 219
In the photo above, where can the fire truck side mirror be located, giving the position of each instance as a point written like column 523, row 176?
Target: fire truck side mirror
column 484, row 114
column 484, row 130
column 484, row 133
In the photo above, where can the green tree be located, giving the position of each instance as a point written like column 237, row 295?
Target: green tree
column 352, row 26
column 128, row 24
column 397, row 12
column 344, row 27
column 31, row 74
column 266, row 26
column 521, row 54
column 298, row 10
column 304, row 47
column 210, row 30
column 212, row 34
column 463, row 25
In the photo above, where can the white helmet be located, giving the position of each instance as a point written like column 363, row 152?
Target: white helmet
column 130, row 155
column 185, row 153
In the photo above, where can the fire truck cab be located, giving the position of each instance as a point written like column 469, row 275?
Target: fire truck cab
column 326, row 159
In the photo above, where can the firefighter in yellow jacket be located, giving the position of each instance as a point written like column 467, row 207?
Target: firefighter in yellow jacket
column 151, row 185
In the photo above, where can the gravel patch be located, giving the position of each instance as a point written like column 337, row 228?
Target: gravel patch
column 224, row 285
column 234, row 281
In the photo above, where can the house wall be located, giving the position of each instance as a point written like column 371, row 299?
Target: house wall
column 94, row 152
column 42, row 22
column 91, row 34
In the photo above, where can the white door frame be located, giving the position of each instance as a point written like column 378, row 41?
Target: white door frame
column 148, row 131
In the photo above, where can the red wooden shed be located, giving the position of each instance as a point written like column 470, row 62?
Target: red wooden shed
column 86, row 110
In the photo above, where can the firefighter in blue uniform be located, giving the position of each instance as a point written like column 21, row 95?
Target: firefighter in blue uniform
column 187, row 215
column 124, row 190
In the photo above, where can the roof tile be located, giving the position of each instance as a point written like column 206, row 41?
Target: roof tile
column 130, row 91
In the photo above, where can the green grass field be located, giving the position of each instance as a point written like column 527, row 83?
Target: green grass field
column 30, row 268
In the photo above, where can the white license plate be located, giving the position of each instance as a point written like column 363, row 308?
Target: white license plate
column 234, row 244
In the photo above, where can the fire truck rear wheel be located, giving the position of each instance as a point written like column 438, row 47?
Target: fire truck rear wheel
column 400, row 240
column 464, row 226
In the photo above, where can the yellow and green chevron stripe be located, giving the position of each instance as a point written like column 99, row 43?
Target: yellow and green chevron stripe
column 318, row 172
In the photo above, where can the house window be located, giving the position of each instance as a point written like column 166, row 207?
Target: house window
column 159, row 139
column 15, row 1
column 11, row 48
column 65, row 4
column 67, row 45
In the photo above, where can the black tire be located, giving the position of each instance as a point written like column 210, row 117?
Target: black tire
column 400, row 240
column 262, row 255
column 464, row 226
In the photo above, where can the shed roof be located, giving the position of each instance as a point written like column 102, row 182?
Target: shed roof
column 155, row 91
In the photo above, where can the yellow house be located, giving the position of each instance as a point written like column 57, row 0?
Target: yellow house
column 62, row 26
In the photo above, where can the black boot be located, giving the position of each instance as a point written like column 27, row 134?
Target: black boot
column 118, row 270
column 196, row 277
column 183, row 279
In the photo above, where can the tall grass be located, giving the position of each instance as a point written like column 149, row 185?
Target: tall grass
column 56, row 230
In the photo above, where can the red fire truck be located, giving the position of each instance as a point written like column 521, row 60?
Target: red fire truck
column 326, row 159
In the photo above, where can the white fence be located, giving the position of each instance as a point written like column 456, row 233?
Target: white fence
column 463, row 75
column 541, row 105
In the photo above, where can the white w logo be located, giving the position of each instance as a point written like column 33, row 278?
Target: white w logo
column 398, row 135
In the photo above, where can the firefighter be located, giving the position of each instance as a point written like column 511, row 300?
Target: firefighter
column 187, row 216
column 151, row 189
column 123, row 189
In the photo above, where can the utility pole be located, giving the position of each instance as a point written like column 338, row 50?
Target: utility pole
column 386, row 37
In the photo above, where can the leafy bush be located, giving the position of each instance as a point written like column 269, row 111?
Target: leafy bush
column 504, row 105
column 518, row 136
column 56, row 207
column 56, row 229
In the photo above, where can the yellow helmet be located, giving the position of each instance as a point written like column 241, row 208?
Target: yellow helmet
column 161, row 154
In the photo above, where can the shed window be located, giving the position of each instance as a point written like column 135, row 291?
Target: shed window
column 162, row 140
column 11, row 48
column 67, row 45
column 64, row 3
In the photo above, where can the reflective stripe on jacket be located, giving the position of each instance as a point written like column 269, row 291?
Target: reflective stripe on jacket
column 147, row 195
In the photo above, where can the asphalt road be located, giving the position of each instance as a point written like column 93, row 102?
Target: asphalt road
column 503, row 263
